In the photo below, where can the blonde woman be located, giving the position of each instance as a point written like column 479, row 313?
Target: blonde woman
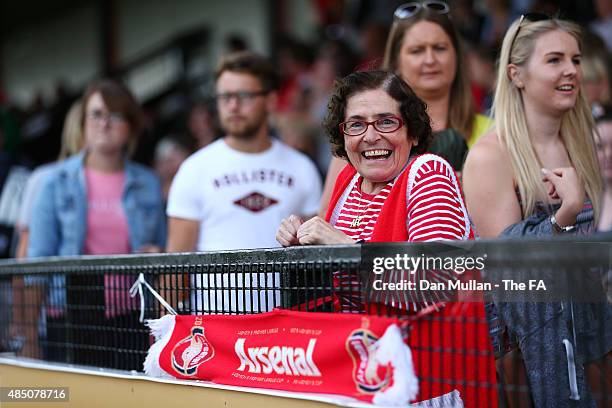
column 536, row 174
column 540, row 157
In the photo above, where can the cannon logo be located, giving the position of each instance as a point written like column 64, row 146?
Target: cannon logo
column 369, row 376
column 281, row 360
column 192, row 351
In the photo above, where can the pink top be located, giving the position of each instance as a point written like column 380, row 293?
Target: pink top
column 107, row 233
column 107, row 228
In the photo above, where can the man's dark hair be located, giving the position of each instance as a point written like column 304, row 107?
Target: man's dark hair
column 412, row 109
column 250, row 63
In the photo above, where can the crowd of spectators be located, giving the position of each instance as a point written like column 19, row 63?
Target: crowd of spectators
column 350, row 37
column 536, row 158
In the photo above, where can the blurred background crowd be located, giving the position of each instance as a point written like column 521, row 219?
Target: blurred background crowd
column 166, row 53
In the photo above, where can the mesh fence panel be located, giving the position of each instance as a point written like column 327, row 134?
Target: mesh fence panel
column 79, row 311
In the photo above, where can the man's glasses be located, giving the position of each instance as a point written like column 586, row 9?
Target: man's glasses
column 532, row 18
column 386, row 124
column 98, row 117
column 410, row 9
column 241, row 97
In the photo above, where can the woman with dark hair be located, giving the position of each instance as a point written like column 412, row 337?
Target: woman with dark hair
column 98, row 202
column 424, row 49
column 391, row 191
column 377, row 124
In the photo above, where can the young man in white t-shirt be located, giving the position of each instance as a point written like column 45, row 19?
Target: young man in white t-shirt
column 233, row 193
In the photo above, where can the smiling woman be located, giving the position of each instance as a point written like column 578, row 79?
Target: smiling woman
column 536, row 174
column 541, row 154
column 391, row 191
column 379, row 149
column 385, row 192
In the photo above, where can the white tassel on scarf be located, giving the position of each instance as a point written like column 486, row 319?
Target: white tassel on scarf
column 162, row 330
column 391, row 349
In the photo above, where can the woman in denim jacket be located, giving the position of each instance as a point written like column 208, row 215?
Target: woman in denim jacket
column 98, row 203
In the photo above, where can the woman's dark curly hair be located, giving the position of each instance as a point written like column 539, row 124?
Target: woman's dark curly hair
column 412, row 109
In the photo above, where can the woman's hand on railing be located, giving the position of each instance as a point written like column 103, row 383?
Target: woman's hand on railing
column 317, row 231
column 287, row 231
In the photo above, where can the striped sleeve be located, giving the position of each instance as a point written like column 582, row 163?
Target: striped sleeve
column 436, row 210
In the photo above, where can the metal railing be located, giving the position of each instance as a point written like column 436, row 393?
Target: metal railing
column 78, row 310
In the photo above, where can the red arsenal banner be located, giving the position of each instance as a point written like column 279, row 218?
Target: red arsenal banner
column 360, row 356
column 295, row 351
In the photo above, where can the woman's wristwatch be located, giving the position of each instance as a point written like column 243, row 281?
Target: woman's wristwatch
column 559, row 229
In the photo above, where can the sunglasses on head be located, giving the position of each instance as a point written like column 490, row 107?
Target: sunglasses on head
column 532, row 18
column 410, row 9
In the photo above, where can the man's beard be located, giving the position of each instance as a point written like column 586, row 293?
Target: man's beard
column 244, row 129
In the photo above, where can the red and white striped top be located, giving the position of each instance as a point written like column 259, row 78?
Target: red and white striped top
column 435, row 207
column 435, row 212
column 360, row 211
